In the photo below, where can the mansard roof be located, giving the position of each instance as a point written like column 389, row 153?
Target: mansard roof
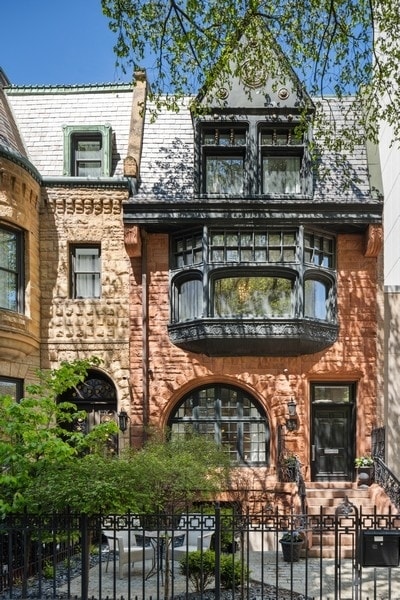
column 42, row 111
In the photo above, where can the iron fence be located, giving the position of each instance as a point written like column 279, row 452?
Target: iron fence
column 213, row 554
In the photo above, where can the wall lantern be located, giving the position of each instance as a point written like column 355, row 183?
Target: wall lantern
column 123, row 420
column 291, row 422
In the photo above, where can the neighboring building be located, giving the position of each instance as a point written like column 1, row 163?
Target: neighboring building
column 222, row 280
column 389, row 161
column 63, row 265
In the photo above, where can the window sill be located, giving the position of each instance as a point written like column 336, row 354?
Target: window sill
column 253, row 337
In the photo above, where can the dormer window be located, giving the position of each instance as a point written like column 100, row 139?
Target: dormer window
column 86, row 156
column 281, row 161
column 224, row 151
column 252, row 158
column 87, row 150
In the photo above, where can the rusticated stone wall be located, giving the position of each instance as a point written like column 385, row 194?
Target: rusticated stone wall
column 172, row 372
column 85, row 327
column 20, row 332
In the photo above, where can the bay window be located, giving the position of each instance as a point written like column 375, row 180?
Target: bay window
column 229, row 285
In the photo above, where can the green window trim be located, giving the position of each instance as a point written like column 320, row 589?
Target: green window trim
column 75, row 131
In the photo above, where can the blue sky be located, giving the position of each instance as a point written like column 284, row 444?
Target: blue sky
column 53, row 42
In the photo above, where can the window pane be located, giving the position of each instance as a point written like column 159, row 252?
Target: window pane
column 87, row 155
column 224, row 174
column 253, row 297
column 332, row 393
column 281, row 174
column 86, row 272
column 10, row 276
column 11, row 387
column 88, row 169
column 188, row 300
column 315, row 299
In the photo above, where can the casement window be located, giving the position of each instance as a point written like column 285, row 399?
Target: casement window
column 11, row 269
column 229, row 416
column 11, row 387
column 85, row 268
column 87, row 150
column 282, row 154
column 224, row 152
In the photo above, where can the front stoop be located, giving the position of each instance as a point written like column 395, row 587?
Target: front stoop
column 323, row 499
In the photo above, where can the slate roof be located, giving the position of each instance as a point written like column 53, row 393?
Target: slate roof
column 167, row 164
column 41, row 112
column 10, row 140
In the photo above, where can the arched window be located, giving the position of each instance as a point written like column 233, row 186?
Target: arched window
column 230, row 416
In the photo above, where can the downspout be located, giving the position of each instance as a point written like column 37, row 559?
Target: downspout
column 145, row 338
column 138, row 237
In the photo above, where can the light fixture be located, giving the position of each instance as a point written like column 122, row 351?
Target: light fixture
column 291, row 422
column 123, row 420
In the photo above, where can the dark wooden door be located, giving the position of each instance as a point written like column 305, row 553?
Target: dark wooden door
column 332, row 442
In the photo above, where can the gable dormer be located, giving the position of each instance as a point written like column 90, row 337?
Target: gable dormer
column 253, row 128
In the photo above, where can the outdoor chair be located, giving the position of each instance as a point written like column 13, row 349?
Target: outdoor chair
column 128, row 548
column 195, row 536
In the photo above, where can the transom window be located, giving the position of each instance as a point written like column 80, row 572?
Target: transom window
column 253, row 246
column 87, row 150
column 85, row 271
column 229, row 416
column 318, row 250
column 11, row 269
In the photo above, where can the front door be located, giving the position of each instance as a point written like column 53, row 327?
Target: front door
column 332, row 436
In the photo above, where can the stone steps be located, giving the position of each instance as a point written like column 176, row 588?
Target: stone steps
column 324, row 499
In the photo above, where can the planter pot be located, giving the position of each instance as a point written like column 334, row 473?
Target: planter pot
column 364, row 475
column 291, row 550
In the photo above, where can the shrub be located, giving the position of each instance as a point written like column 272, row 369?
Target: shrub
column 232, row 571
column 199, row 568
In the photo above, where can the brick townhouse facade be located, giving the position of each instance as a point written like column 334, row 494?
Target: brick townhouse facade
column 229, row 287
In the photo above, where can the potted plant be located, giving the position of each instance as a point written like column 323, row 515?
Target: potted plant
column 292, row 543
column 288, row 465
column 365, row 469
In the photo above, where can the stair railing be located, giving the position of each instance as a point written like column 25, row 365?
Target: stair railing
column 387, row 480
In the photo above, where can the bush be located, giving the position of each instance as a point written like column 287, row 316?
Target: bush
column 232, row 571
column 199, row 568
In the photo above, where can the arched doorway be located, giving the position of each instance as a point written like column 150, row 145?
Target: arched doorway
column 231, row 416
column 96, row 396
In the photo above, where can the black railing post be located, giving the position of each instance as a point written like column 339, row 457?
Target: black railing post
column 217, row 551
column 85, row 556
